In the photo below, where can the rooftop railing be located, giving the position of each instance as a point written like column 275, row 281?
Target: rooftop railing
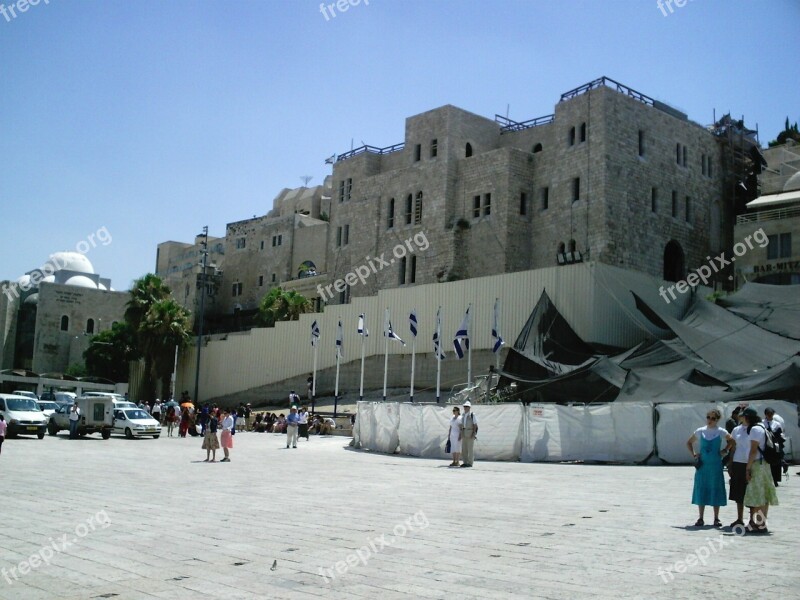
column 608, row 82
column 371, row 150
column 509, row 125
column 775, row 214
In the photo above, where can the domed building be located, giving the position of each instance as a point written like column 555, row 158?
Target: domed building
column 48, row 315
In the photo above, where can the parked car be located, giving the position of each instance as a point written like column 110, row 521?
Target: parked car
column 22, row 415
column 135, row 422
column 47, row 407
column 27, row 394
column 65, row 398
column 96, row 417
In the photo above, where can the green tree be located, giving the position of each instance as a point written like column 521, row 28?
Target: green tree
column 282, row 305
column 110, row 351
column 76, row 370
column 789, row 132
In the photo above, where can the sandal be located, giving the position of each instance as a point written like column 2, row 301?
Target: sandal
column 717, row 523
column 699, row 523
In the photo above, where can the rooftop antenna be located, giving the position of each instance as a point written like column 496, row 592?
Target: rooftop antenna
column 508, row 108
column 305, row 179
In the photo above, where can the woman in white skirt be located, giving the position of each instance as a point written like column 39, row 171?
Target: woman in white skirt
column 455, row 436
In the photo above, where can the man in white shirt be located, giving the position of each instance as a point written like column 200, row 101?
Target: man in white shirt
column 774, row 423
column 156, row 412
column 74, row 421
column 469, row 433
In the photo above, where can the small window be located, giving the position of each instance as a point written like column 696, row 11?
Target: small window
column 786, row 245
column 274, row 278
column 90, row 326
column 703, row 163
column 572, row 246
column 418, row 209
column 561, row 248
column 348, row 188
column 260, row 281
column 476, row 206
column 687, row 207
column 240, row 243
column 576, row 189
column 583, row 132
column 236, row 289
column 709, row 167
column 468, row 150
column 338, row 237
column 65, row 323
column 545, row 198
column 523, row 203
column 409, row 208
column 571, row 136
column 346, row 235
column 186, row 291
column 341, row 191
column 653, row 199
column 678, row 154
column 641, row 142
column 402, row 273
column 434, row 148
column 674, row 203
column 487, row 205
column 262, row 245
column 417, row 152
column 537, row 148
column 413, row 274
column 780, row 246
column 344, row 295
column 390, row 216
column 685, row 153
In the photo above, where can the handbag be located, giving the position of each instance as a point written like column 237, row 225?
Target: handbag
column 447, row 446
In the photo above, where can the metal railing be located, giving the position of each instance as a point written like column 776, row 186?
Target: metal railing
column 509, row 125
column 608, row 82
column 775, row 214
column 371, row 150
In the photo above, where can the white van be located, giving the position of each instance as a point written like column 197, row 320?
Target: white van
column 22, row 415
column 96, row 417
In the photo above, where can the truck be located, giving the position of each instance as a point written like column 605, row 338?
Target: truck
column 97, row 416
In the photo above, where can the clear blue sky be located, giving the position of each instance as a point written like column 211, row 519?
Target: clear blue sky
column 154, row 118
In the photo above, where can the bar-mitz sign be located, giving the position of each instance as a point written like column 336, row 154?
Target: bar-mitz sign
column 791, row 265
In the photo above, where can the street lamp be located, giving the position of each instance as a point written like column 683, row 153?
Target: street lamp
column 204, row 253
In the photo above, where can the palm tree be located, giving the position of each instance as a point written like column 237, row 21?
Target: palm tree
column 280, row 305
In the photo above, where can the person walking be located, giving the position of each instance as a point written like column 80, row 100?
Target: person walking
column 292, row 424
column 171, row 418
column 469, row 433
column 226, row 437
column 303, row 423
column 156, row 412
column 737, row 467
column 3, row 426
column 709, row 481
column 760, row 493
column 454, row 435
column 184, row 426
column 248, row 417
column 294, row 399
column 210, row 441
column 74, row 421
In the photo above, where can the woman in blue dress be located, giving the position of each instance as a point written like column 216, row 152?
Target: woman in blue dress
column 709, row 481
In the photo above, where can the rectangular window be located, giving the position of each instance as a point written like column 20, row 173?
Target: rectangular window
column 338, row 237
column 576, row 189
column 674, row 203
column 487, row 205
column 237, row 289
column 434, row 148
column 277, row 240
column 687, row 207
column 678, row 154
column 262, row 245
column 703, row 163
column 653, row 199
column 409, row 208
column 344, row 295
column 571, row 136
column 418, row 209
column 545, row 198
column 341, row 191
column 641, row 142
column 240, row 243
column 476, row 206
column 417, row 152
column 346, row 235
column 390, row 216
column 348, row 188
column 260, row 281
column 402, row 272
column 780, row 246
column 523, row 203
column 786, row 245
column 274, row 278
column 684, row 156
column 413, row 274
column 583, row 132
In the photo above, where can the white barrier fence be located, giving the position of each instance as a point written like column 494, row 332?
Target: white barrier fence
column 627, row 432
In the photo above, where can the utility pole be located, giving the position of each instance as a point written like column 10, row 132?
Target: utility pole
column 203, row 263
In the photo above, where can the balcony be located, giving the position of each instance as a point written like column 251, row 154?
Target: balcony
column 776, row 214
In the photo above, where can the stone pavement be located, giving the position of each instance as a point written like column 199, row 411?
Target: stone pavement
column 148, row 519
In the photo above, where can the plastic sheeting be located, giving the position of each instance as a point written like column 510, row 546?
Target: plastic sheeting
column 612, row 432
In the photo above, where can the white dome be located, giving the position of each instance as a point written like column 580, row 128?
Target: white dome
column 793, row 183
column 24, row 281
column 71, row 261
column 49, row 279
column 100, row 286
column 80, row 281
column 32, row 299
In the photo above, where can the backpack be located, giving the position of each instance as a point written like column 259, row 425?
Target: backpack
column 770, row 452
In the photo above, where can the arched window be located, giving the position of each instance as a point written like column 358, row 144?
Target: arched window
column 572, row 245
column 307, row 269
column 561, row 248
column 65, row 323
column 673, row 262
column 537, row 148
column 468, row 150
column 90, row 326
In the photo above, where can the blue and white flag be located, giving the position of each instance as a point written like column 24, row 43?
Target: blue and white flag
column 437, row 336
column 387, row 329
column 461, row 339
column 339, row 340
column 314, row 334
column 498, row 340
column 412, row 322
column 362, row 329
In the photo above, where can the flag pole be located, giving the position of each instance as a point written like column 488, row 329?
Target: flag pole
column 438, row 358
column 497, row 329
column 336, row 390
column 413, row 357
column 314, row 381
column 361, row 388
column 469, row 348
column 385, row 350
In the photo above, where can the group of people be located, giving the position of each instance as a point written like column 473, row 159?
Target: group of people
column 213, row 421
column 462, row 433
column 752, row 478
column 277, row 423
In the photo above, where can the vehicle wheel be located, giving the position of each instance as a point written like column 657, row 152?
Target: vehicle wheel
column 106, row 434
column 155, row 437
column 40, row 435
column 128, row 433
column 82, row 433
column 52, row 429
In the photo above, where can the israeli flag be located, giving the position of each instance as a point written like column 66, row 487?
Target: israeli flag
column 362, row 330
column 461, row 340
column 437, row 336
column 412, row 322
column 387, row 329
column 498, row 340
column 339, row 340
column 314, row 334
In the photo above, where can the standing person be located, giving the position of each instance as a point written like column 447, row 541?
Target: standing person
column 74, row 421
column 3, row 426
column 303, row 423
column 157, row 411
column 210, row 441
column 294, row 399
column 760, row 493
column 226, row 437
column 292, row 423
column 248, row 417
column 737, row 467
column 776, row 427
column 184, row 426
column 709, row 481
column 170, row 420
column 454, row 434
column 310, row 385
column 469, row 433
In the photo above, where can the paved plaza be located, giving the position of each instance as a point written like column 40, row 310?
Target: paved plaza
column 147, row 518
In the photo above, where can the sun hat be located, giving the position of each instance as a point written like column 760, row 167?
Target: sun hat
column 467, row 403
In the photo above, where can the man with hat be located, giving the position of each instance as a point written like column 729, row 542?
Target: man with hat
column 469, row 433
column 292, row 423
